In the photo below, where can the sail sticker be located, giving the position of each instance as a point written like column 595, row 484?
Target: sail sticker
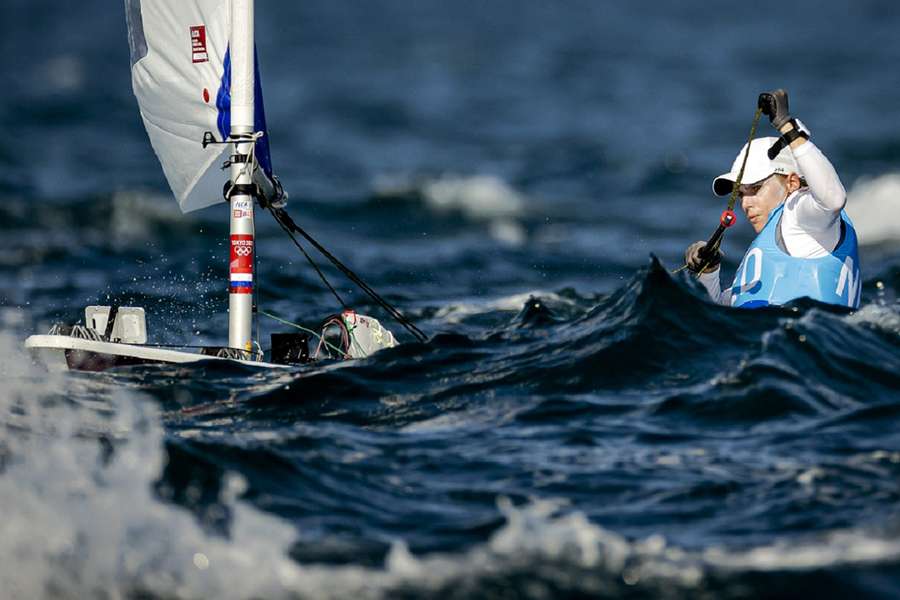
column 198, row 44
column 241, row 266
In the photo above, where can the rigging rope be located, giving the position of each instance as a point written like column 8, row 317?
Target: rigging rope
column 322, row 339
column 311, row 261
column 290, row 227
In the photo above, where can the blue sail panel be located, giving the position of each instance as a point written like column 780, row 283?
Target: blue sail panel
column 223, row 103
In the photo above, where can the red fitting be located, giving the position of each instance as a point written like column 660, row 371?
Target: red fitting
column 728, row 218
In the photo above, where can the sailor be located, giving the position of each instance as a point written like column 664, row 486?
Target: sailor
column 792, row 196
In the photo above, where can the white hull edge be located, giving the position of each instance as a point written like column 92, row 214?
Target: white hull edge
column 56, row 351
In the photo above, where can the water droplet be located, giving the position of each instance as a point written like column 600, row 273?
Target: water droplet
column 200, row 561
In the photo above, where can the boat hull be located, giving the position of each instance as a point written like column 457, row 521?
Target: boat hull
column 63, row 352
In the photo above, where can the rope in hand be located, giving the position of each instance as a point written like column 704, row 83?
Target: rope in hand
column 708, row 253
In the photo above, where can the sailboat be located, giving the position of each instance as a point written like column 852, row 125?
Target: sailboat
column 195, row 76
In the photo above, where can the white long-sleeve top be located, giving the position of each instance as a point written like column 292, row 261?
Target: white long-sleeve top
column 810, row 223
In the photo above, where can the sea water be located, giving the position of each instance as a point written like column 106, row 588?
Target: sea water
column 581, row 422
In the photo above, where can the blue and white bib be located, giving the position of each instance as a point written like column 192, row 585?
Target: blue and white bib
column 769, row 275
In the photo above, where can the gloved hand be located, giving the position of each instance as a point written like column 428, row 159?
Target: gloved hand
column 695, row 258
column 775, row 106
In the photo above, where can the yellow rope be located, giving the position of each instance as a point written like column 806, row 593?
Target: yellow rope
column 732, row 200
column 740, row 177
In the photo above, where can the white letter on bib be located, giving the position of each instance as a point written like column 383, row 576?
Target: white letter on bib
column 851, row 282
column 756, row 255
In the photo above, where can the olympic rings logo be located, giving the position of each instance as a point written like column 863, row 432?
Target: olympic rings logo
column 243, row 250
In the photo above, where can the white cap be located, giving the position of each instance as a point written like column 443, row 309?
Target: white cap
column 758, row 165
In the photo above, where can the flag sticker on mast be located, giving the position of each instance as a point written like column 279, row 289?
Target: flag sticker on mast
column 198, row 44
column 241, row 264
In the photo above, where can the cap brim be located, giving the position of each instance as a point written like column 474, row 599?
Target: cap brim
column 723, row 184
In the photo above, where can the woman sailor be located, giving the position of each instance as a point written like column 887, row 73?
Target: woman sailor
column 806, row 245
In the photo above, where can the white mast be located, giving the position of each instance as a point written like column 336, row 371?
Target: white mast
column 240, row 301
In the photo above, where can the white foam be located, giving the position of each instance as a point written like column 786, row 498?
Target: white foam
column 536, row 529
column 63, row 73
column 884, row 317
column 567, row 549
column 455, row 313
column 833, row 549
column 86, row 530
column 508, row 232
column 81, row 528
column 484, row 198
column 478, row 196
column 135, row 212
column 873, row 204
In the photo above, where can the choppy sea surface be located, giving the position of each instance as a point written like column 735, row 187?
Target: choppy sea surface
column 580, row 423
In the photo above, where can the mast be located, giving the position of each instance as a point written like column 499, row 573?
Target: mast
column 240, row 297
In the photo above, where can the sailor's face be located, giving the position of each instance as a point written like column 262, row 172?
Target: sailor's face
column 759, row 199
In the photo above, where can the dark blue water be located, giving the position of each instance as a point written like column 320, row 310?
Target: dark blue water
column 580, row 422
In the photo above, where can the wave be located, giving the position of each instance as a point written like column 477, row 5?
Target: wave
column 85, row 517
column 478, row 198
column 189, row 482
column 683, row 362
column 456, row 312
column 82, row 516
column 655, row 332
column 869, row 201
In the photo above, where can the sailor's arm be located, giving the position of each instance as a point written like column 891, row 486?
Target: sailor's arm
column 821, row 177
column 713, row 284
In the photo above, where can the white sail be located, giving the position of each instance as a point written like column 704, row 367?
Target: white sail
column 180, row 71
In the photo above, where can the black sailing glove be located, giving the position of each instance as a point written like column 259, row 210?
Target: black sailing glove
column 775, row 106
column 695, row 258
